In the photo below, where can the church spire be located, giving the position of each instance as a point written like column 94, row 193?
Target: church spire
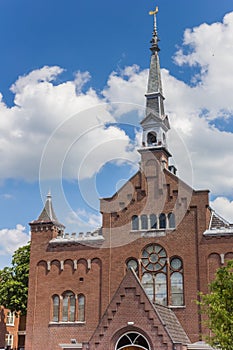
column 47, row 217
column 155, row 124
column 154, row 81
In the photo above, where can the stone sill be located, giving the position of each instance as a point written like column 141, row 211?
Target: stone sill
column 71, row 346
column 153, row 233
column 177, row 306
column 70, row 324
column 154, row 230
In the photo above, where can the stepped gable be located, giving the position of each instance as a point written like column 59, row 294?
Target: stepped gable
column 131, row 310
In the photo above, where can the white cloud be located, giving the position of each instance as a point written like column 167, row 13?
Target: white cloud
column 40, row 107
column 210, row 48
column 81, row 78
column 84, row 219
column 7, row 196
column 224, row 207
column 12, row 239
column 127, row 88
column 73, row 121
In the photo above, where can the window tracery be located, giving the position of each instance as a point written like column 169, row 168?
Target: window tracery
column 130, row 339
column 162, row 279
column 68, row 307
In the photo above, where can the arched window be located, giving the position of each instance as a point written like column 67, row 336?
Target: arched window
column 154, row 273
column 144, row 222
column 153, row 221
column 177, row 292
column 162, row 220
column 132, row 263
column 171, row 220
column 151, row 139
column 135, row 223
column 132, row 339
column 81, row 308
column 68, row 307
column 56, row 308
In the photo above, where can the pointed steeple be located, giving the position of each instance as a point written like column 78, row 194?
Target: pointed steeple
column 48, row 213
column 154, row 81
column 155, row 124
column 48, row 217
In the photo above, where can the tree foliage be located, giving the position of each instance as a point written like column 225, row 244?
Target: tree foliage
column 14, row 281
column 218, row 306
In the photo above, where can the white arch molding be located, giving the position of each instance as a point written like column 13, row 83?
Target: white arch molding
column 132, row 340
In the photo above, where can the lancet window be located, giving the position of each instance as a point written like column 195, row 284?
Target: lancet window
column 68, row 307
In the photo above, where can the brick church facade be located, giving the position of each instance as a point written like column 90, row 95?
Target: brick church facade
column 132, row 283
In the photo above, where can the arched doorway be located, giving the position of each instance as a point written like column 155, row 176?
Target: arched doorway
column 132, row 341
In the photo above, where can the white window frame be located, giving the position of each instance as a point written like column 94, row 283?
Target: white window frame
column 9, row 338
column 10, row 318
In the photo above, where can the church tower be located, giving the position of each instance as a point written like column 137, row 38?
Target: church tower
column 155, row 125
column 132, row 283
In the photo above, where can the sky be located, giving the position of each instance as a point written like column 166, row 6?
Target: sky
column 73, row 75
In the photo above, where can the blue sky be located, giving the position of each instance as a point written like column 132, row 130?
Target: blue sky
column 72, row 81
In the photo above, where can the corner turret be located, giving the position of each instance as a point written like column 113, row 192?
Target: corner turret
column 47, row 220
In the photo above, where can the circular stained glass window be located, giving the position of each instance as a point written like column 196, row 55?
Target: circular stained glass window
column 154, row 258
column 176, row 264
column 132, row 263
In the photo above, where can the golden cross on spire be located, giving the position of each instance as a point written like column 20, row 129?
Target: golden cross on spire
column 155, row 11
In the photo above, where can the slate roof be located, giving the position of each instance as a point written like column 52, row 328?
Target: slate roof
column 200, row 345
column 48, row 215
column 218, row 226
column 173, row 326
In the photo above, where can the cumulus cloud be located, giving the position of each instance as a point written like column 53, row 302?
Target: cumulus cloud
column 209, row 47
column 12, row 239
column 85, row 219
column 224, row 207
column 63, row 118
column 127, row 87
column 69, row 131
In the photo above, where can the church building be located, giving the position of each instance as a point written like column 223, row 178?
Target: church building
column 132, row 284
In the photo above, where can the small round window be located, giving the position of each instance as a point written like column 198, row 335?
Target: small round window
column 176, row 264
column 132, row 263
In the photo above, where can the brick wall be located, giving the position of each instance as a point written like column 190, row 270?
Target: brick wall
column 96, row 272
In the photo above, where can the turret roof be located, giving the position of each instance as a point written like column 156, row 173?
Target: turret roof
column 48, row 216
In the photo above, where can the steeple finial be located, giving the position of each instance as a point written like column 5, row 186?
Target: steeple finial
column 153, row 13
column 155, row 39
